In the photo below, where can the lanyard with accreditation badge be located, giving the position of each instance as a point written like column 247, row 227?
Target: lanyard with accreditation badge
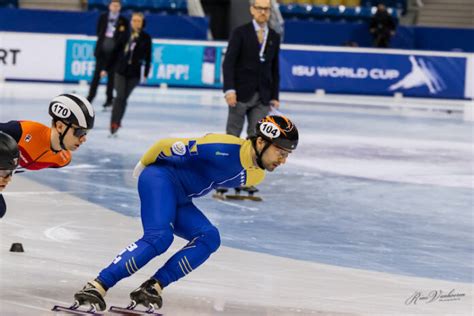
column 262, row 46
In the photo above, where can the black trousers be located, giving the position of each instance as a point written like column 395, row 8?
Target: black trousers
column 382, row 38
column 123, row 87
column 101, row 64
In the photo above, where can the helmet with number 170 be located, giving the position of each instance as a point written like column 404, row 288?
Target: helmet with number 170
column 72, row 109
column 278, row 130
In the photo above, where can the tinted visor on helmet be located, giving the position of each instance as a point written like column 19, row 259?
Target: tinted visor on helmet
column 5, row 173
column 79, row 131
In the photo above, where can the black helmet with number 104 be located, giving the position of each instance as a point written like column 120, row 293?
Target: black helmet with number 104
column 278, row 130
column 9, row 153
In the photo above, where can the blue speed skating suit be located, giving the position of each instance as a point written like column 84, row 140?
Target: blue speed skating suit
column 173, row 172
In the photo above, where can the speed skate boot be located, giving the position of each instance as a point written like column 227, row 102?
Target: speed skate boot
column 148, row 295
column 251, row 190
column 114, row 127
column 93, row 294
column 107, row 105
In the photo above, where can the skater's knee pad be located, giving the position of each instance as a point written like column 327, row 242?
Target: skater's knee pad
column 211, row 238
column 160, row 239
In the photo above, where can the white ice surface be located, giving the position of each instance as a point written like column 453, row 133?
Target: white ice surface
column 66, row 244
column 376, row 190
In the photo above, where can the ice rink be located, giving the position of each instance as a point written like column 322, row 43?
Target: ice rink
column 371, row 215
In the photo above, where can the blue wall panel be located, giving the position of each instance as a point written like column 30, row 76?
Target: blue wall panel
column 406, row 37
column 84, row 23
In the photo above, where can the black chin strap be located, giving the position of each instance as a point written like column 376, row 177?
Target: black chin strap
column 62, row 135
column 260, row 154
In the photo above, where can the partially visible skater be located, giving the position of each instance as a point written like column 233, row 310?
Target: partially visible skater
column 41, row 146
column 9, row 155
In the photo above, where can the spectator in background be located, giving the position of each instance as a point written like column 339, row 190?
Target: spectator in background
column 112, row 31
column 135, row 55
column 382, row 27
column 251, row 70
column 251, row 73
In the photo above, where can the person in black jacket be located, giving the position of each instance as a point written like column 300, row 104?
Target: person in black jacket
column 9, row 155
column 251, row 70
column 112, row 31
column 135, row 55
column 251, row 74
column 382, row 27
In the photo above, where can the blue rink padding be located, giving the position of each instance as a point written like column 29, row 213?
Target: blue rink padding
column 302, row 69
column 84, row 23
column 310, row 32
column 406, row 37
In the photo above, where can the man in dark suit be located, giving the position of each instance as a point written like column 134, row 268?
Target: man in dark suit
column 112, row 32
column 382, row 27
column 251, row 70
column 251, row 74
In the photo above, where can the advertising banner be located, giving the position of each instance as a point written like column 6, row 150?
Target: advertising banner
column 31, row 57
column 174, row 64
column 373, row 73
column 47, row 57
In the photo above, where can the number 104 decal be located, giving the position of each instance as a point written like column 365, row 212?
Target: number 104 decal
column 270, row 130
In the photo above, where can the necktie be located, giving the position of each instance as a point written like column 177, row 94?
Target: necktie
column 260, row 36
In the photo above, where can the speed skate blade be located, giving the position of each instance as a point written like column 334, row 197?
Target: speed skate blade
column 243, row 197
column 75, row 311
column 218, row 196
column 126, row 311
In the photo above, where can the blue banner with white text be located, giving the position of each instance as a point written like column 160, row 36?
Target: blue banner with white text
column 197, row 65
column 373, row 73
column 174, row 64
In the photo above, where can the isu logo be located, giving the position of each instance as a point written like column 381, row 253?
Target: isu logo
column 422, row 74
column 28, row 138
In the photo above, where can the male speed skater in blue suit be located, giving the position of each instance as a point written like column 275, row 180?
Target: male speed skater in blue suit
column 173, row 172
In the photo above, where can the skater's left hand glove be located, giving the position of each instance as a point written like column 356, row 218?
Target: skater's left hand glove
column 3, row 206
column 138, row 169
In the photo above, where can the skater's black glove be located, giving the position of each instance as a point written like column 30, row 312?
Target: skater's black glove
column 3, row 206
